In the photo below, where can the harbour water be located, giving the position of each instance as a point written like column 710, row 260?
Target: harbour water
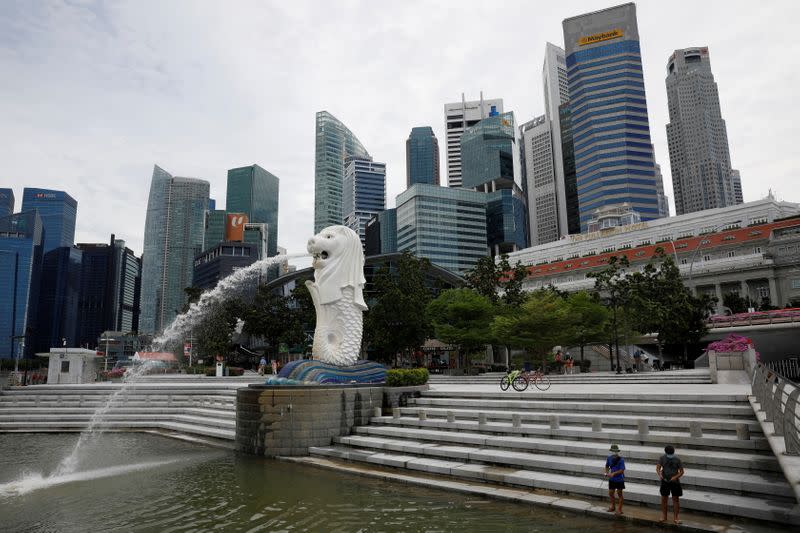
column 144, row 482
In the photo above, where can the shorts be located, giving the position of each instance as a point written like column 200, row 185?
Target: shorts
column 673, row 487
column 614, row 485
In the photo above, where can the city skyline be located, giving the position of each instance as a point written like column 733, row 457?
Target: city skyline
column 144, row 97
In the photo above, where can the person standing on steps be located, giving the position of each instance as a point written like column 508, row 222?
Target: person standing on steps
column 615, row 472
column 670, row 471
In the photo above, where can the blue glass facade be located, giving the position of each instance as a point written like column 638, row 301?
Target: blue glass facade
column 57, row 210
column 446, row 225
column 613, row 155
column 6, row 202
column 422, row 157
column 363, row 192
column 173, row 235
column 489, row 152
column 254, row 191
column 506, row 217
column 334, row 144
column 59, row 299
column 20, row 274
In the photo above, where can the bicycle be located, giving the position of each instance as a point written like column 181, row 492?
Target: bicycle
column 538, row 378
column 515, row 379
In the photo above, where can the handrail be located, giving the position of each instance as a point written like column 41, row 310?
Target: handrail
column 758, row 318
column 779, row 397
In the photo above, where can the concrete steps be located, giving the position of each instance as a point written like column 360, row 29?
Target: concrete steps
column 683, row 377
column 508, row 439
column 186, row 406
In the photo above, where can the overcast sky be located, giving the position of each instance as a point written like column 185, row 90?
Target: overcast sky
column 92, row 94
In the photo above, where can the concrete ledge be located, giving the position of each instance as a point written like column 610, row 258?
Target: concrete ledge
column 789, row 464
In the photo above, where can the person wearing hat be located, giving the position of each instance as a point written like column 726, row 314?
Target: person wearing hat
column 615, row 472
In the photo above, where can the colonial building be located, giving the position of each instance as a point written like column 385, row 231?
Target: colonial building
column 751, row 249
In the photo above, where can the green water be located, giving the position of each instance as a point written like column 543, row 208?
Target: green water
column 140, row 482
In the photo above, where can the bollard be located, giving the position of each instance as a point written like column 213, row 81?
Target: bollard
column 695, row 430
column 396, row 413
column 555, row 423
column 597, row 425
column 482, row 419
column 742, row 432
column 450, row 416
column 644, row 429
column 376, row 412
column 422, row 414
column 516, row 420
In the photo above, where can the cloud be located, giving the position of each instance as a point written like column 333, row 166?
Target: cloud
column 95, row 93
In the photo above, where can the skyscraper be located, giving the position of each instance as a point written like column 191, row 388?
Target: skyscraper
column 443, row 224
column 334, row 144
column 254, row 191
column 381, row 233
column 57, row 210
column 59, row 299
column 538, row 145
column 422, row 157
column 458, row 117
column 173, row 236
column 6, row 202
column 556, row 94
column 20, row 274
column 614, row 162
column 110, row 290
column 363, row 192
column 491, row 164
column 737, row 186
column 699, row 157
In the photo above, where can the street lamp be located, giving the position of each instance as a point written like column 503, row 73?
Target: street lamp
column 700, row 245
column 107, row 339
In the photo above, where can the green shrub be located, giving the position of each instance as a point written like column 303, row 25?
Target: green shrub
column 404, row 377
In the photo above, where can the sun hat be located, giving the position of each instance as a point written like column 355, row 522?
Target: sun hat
column 614, row 448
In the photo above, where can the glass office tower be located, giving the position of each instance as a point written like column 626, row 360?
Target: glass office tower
column 20, row 273
column 57, row 210
column 6, row 202
column 490, row 159
column 422, row 157
column 446, row 225
column 59, row 299
column 363, row 192
column 614, row 161
column 254, row 191
column 334, row 144
column 173, row 236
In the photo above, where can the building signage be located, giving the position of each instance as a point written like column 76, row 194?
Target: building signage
column 234, row 228
column 597, row 37
column 44, row 195
column 616, row 230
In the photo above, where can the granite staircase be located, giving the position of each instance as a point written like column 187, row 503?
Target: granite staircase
column 558, row 442
column 679, row 377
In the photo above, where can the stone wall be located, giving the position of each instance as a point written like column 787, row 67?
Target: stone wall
column 287, row 420
column 732, row 367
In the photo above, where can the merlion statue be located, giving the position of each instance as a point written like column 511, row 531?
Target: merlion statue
column 338, row 295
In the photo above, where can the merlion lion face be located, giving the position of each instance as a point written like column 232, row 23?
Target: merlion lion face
column 332, row 246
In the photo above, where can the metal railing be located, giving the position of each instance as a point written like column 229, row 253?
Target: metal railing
column 778, row 398
column 789, row 367
column 753, row 319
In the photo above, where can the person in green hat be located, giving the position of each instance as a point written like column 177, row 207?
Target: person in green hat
column 615, row 472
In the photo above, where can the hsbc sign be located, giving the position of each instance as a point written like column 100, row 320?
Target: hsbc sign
column 234, row 227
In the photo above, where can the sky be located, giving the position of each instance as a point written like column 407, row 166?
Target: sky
column 93, row 94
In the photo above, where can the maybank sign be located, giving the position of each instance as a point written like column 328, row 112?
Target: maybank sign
column 597, row 37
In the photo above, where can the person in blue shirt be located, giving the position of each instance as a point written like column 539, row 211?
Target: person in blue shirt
column 615, row 472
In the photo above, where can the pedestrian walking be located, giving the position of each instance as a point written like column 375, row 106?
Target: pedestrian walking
column 262, row 365
column 670, row 471
column 274, row 367
column 615, row 472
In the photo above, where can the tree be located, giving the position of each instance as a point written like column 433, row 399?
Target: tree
column 497, row 281
column 612, row 285
column 396, row 321
column 484, row 278
column 587, row 319
column 462, row 317
column 268, row 317
column 540, row 324
column 212, row 335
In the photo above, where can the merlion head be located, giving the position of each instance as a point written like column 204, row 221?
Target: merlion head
column 338, row 262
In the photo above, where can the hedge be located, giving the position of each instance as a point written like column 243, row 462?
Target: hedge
column 403, row 377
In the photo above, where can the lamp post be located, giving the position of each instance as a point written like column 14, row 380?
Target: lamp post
column 700, row 245
column 107, row 339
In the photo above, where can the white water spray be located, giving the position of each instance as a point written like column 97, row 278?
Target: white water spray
column 226, row 288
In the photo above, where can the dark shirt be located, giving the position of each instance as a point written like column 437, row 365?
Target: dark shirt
column 670, row 467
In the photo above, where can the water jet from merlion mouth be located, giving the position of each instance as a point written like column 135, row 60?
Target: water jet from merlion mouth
column 225, row 289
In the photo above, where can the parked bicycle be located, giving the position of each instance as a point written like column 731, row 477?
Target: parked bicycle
column 520, row 380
